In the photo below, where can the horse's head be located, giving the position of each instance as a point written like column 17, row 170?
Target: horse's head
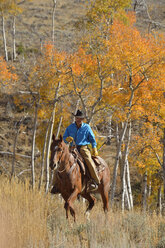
column 57, row 150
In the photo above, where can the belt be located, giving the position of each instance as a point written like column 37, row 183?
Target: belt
column 78, row 147
column 81, row 146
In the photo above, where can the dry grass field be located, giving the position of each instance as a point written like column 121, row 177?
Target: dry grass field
column 34, row 24
column 32, row 219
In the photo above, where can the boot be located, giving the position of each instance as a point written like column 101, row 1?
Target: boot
column 92, row 186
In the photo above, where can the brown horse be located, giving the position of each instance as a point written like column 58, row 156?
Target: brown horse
column 69, row 178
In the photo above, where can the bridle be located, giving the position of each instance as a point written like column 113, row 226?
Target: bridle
column 59, row 161
column 62, row 151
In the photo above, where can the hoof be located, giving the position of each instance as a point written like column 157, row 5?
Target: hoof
column 87, row 215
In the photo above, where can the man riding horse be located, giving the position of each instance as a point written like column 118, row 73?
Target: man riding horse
column 81, row 135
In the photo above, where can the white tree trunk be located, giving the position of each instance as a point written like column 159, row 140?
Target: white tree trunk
column 14, row 47
column 117, row 161
column 53, row 20
column 33, row 146
column 59, row 127
column 110, row 127
column 144, row 192
column 129, row 186
column 4, row 38
column 149, row 189
column 127, row 198
column 57, row 134
column 50, row 136
column 43, row 157
column 128, row 182
column 124, row 184
column 14, row 153
column 76, row 108
column 121, row 138
column 123, row 188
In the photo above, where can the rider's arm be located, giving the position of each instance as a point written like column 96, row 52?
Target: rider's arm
column 69, row 133
column 91, row 137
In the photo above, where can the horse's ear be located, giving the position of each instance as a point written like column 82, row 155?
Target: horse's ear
column 61, row 138
column 53, row 137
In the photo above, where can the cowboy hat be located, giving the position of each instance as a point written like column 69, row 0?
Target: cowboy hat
column 79, row 114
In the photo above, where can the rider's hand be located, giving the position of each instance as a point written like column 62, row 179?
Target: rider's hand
column 94, row 152
column 69, row 139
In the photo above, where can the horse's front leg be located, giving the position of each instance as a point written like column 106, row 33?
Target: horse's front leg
column 66, row 206
column 71, row 199
column 91, row 199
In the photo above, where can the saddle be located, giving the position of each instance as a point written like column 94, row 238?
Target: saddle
column 79, row 159
column 99, row 162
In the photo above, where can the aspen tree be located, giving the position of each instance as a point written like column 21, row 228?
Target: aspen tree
column 14, row 10
column 4, row 8
column 53, row 20
column 50, row 75
column 34, row 142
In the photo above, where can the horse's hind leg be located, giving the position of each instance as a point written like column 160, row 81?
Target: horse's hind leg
column 91, row 199
column 104, row 195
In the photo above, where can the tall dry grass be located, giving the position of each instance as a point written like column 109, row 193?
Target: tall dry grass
column 32, row 219
column 23, row 216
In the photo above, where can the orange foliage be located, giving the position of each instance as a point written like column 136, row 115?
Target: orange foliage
column 7, row 77
column 85, row 75
column 127, row 67
column 129, row 55
column 50, row 69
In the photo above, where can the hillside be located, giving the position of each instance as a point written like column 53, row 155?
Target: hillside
column 34, row 24
column 33, row 28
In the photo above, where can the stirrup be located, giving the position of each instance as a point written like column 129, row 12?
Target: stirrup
column 92, row 186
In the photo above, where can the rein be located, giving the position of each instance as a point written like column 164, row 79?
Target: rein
column 71, row 168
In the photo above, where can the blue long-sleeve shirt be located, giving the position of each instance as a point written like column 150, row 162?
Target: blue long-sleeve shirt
column 82, row 136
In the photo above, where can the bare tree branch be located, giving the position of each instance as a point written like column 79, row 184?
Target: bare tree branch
column 17, row 154
column 19, row 174
column 157, row 156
